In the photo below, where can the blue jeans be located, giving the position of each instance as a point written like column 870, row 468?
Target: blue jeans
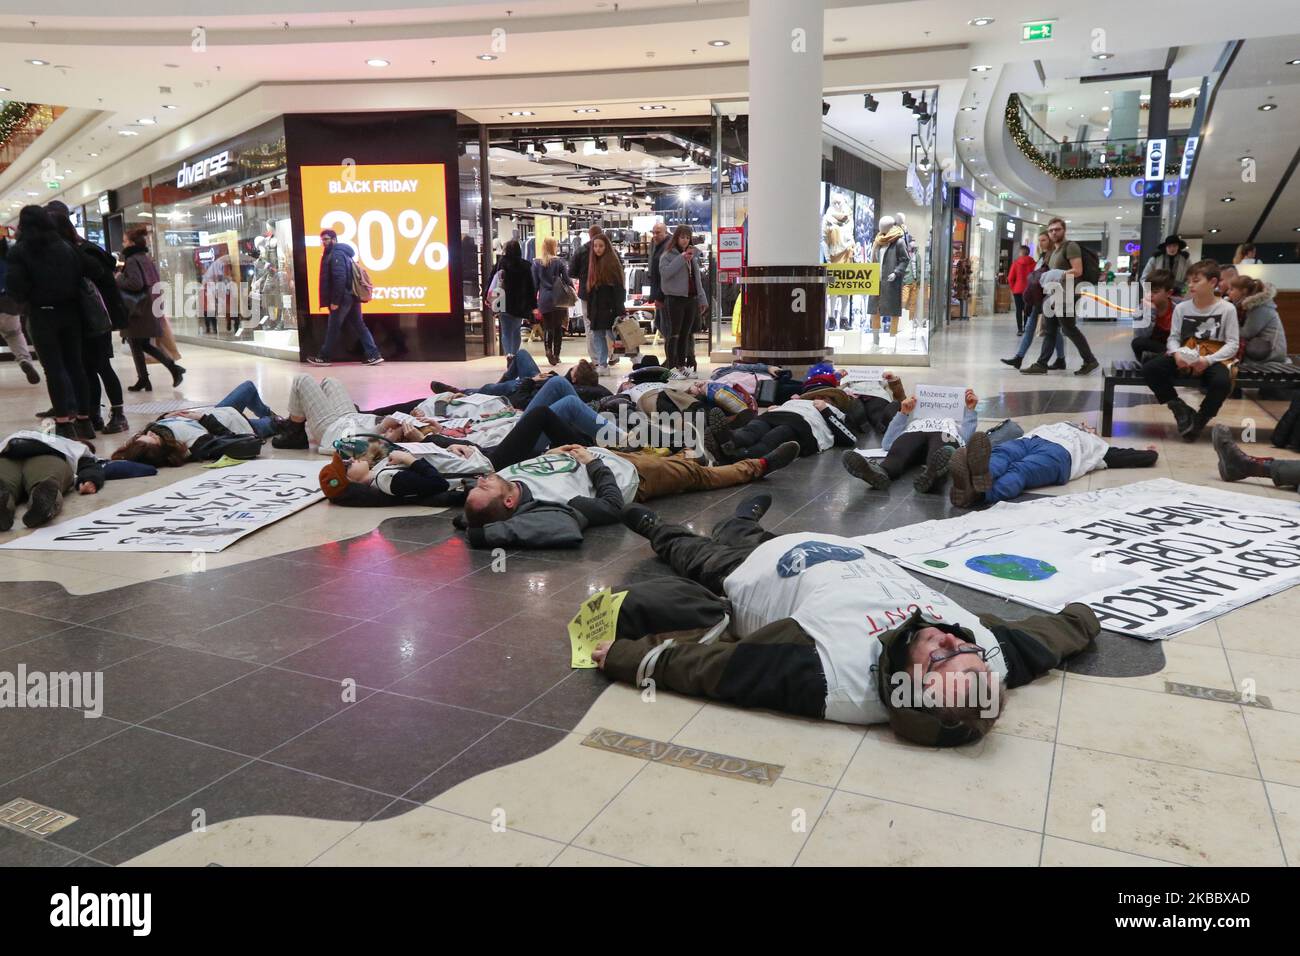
column 1026, row 463
column 522, row 366
column 509, row 325
column 577, row 414
column 348, row 313
column 1031, row 327
column 246, row 398
column 598, row 345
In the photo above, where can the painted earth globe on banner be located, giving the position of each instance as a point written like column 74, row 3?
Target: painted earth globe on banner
column 1011, row 567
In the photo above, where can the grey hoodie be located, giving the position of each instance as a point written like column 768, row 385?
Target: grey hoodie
column 1261, row 332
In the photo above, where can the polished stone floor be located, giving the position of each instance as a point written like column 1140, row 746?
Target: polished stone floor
column 230, row 735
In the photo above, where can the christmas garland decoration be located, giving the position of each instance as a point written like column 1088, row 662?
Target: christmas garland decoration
column 12, row 117
column 1021, row 138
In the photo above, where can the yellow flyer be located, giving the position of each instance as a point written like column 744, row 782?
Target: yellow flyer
column 596, row 621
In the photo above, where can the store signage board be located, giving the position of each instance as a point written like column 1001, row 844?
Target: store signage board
column 739, row 179
column 394, row 216
column 966, row 201
column 203, row 168
column 1189, row 156
column 731, row 248
column 853, row 278
column 1037, row 31
column 1155, row 164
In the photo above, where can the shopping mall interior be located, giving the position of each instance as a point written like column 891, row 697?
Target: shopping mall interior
column 380, row 392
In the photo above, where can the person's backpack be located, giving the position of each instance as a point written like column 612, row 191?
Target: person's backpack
column 362, row 287
column 1091, row 266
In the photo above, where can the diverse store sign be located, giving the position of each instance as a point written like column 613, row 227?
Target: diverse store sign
column 1155, row 163
column 395, row 219
column 205, row 168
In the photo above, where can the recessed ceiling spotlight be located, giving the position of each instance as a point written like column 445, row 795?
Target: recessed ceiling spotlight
column 147, row 121
column 719, row 43
column 485, row 57
column 980, row 21
column 4, row 89
column 127, row 132
column 377, row 62
column 1227, row 199
column 1212, row 231
column 1102, row 56
column 586, row 109
column 968, row 109
column 39, row 62
column 522, row 113
column 982, row 68
column 968, row 139
column 170, row 106
column 31, row 193
column 1105, row 109
column 1268, row 106
column 93, row 155
column 656, row 106
column 1293, row 62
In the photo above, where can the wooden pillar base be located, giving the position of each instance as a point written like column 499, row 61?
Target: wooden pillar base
column 784, row 316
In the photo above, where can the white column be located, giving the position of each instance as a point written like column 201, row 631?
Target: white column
column 785, row 131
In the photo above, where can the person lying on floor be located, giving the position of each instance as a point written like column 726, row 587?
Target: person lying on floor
column 813, row 424
column 395, row 473
column 524, row 383
column 548, row 501
column 930, row 442
column 40, row 468
column 1052, row 454
column 536, row 430
column 817, row 626
column 1235, row 464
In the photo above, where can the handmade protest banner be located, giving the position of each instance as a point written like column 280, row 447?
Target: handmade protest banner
column 207, row 512
column 940, row 401
column 1152, row 559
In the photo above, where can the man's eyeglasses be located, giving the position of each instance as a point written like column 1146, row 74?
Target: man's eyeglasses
column 938, row 657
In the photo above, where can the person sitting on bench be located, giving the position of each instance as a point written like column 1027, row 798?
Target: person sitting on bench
column 908, row 443
column 1049, row 455
column 1202, row 349
column 818, row 626
column 1150, row 342
column 1235, row 464
column 548, row 501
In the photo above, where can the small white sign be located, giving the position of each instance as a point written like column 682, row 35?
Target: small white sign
column 1189, row 156
column 1155, row 164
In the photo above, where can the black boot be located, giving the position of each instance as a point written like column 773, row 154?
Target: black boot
column 44, row 502
column 1199, row 421
column 6, row 510
column 865, row 469
column 1286, row 429
column 1184, row 417
column 293, row 436
column 65, row 430
column 1013, row 362
column 640, row 519
column 144, row 385
column 1235, row 464
column 178, row 373
column 935, row 471
column 83, row 429
column 97, row 422
column 116, row 422
column 754, row 508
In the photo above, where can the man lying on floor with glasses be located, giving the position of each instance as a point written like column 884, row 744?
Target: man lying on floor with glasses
column 818, row 626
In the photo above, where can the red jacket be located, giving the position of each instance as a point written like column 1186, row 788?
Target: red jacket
column 1018, row 274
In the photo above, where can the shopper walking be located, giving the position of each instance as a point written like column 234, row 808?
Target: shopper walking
column 11, row 323
column 551, row 278
column 1034, row 309
column 337, row 294
column 44, row 274
column 604, row 296
column 1018, row 278
column 683, row 288
column 513, row 296
column 658, row 243
column 141, row 288
column 1066, row 260
column 98, row 265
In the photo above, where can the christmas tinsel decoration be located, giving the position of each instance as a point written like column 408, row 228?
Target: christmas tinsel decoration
column 1022, row 141
column 12, row 116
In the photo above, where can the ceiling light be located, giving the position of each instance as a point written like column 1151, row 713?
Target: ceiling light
column 1293, row 63
column 93, row 155
column 1268, row 106
column 522, row 113
column 656, row 106
column 1105, row 109
column 485, row 57
column 127, row 132
column 1227, row 199
column 170, row 106
column 31, row 193
column 968, row 139
column 586, row 109
column 4, row 89
column 39, row 62
column 982, row 68
column 719, row 43
column 376, row 61
column 1102, row 56
column 147, row 121
column 968, row 109
column 1212, row 231
column 980, row 21
column 839, row 39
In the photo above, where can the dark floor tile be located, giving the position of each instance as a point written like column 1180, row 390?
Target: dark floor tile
column 84, row 608
column 258, row 712
column 14, row 593
column 544, row 626
column 419, row 529
column 74, row 649
column 258, row 789
column 85, row 861
column 20, row 628
column 31, row 738
column 211, row 579
column 267, row 634
column 509, row 743
column 565, row 704
column 527, row 575
column 372, row 654
column 363, row 553
column 385, row 742
column 1118, row 655
column 273, row 580
column 176, row 614
column 359, row 595
column 440, row 563
column 455, row 611
column 484, row 676
column 19, row 849
column 159, row 680
column 118, row 782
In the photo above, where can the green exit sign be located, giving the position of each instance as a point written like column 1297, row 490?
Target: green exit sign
column 52, row 185
column 1036, row 30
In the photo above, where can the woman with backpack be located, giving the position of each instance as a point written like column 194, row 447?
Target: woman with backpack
column 512, row 296
column 554, row 296
column 140, row 286
column 1033, row 296
column 605, row 297
column 45, row 275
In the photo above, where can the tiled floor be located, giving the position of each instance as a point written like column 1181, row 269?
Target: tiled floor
column 357, row 686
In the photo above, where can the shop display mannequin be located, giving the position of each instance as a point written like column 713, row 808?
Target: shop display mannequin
column 890, row 250
column 837, row 240
column 911, row 275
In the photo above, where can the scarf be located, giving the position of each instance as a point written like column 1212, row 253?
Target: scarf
column 885, row 238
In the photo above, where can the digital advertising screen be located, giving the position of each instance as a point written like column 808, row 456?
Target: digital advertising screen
column 394, row 216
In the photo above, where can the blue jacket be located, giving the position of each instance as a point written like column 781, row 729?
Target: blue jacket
column 336, row 275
